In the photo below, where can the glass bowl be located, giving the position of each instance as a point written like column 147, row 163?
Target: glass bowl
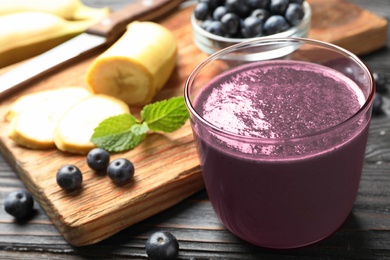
column 210, row 43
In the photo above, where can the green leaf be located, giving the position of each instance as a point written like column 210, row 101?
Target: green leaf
column 124, row 132
column 166, row 116
column 119, row 133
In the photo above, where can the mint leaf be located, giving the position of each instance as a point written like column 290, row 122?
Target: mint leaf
column 118, row 133
column 124, row 132
column 166, row 116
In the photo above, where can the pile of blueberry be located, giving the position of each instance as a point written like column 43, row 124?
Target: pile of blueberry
column 120, row 171
column 248, row 18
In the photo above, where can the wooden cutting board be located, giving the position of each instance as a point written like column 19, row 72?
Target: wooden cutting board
column 167, row 168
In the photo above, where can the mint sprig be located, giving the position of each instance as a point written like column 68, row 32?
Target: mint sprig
column 124, row 132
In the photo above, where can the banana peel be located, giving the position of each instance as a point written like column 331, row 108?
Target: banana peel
column 137, row 66
column 30, row 27
column 67, row 9
column 84, row 12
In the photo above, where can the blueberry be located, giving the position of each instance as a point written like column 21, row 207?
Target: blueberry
column 201, row 11
column 230, row 23
column 98, row 159
column 69, row 177
column 287, row 13
column 278, row 6
column 275, row 24
column 252, row 27
column 262, row 14
column 377, row 104
column 19, row 204
column 205, row 23
column 212, row 3
column 381, row 82
column 254, row 4
column 215, row 27
column 162, row 245
column 219, row 12
column 120, row 171
column 294, row 14
column 238, row 7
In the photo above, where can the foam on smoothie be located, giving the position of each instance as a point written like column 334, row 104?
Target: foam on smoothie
column 279, row 99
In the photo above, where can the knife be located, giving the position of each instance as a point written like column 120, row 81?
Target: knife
column 100, row 35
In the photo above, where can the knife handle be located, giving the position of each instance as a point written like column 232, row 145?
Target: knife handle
column 114, row 25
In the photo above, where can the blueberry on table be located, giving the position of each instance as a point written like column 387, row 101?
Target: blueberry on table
column 381, row 82
column 377, row 104
column 98, row 159
column 294, row 14
column 162, row 245
column 275, row 24
column 19, row 204
column 69, row 177
column 120, row 171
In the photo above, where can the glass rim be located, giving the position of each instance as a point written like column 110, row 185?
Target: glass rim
column 258, row 42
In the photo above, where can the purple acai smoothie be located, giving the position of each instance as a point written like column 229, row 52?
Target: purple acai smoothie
column 285, row 167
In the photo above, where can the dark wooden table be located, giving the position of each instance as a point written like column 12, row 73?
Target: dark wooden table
column 365, row 234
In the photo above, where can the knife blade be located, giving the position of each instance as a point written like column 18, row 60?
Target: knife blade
column 102, row 34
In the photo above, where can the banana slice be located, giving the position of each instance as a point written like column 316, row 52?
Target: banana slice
column 42, row 96
column 75, row 129
column 137, row 65
column 34, row 119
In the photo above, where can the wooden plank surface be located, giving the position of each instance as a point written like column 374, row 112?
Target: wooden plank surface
column 93, row 223
column 167, row 168
column 347, row 25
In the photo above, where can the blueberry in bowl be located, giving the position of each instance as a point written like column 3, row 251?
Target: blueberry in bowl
column 220, row 23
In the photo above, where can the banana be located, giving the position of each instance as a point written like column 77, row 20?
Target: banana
column 84, row 12
column 31, row 27
column 137, row 66
column 27, row 100
column 74, row 131
column 33, row 123
column 67, row 9
column 26, row 34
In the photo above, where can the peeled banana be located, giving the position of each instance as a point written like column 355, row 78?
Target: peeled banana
column 37, row 115
column 28, row 100
column 73, row 132
column 137, row 66
column 67, row 9
column 62, row 118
